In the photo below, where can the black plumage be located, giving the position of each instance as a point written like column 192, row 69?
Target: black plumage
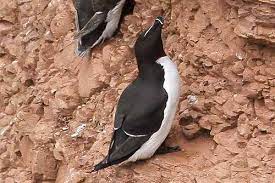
column 140, row 109
column 92, row 19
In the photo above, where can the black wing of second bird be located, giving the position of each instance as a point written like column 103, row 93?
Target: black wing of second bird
column 91, row 19
column 139, row 114
column 88, row 19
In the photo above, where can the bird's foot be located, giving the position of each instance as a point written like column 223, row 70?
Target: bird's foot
column 166, row 149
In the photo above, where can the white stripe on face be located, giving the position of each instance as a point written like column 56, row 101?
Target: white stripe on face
column 148, row 30
column 157, row 19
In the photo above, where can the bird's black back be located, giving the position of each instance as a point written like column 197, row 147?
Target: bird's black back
column 86, row 10
column 142, row 103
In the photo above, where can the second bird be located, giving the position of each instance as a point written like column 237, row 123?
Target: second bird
column 97, row 20
column 147, row 107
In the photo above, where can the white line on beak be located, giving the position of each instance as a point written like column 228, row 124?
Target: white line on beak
column 160, row 21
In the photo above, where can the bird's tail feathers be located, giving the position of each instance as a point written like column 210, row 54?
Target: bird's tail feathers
column 103, row 164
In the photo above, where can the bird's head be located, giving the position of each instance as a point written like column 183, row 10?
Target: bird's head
column 149, row 46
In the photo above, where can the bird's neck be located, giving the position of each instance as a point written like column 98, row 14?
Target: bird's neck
column 150, row 70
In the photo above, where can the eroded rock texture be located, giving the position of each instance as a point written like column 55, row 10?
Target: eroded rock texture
column 56, row 109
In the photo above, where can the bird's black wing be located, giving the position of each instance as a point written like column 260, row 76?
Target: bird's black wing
column 86, row 9
column 122, row 147
column 140, row 111
column 104, row 5
column 90, row 21
column 92, row 24
column 85, row 12
column 139, row 114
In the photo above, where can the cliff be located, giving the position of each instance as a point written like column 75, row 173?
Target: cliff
column 56, row 109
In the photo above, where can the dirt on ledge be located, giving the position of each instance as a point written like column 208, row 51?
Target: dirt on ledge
column 56, row 109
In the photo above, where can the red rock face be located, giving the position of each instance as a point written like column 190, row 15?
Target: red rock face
column 56, row 110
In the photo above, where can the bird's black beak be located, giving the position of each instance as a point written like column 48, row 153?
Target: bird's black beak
column 159, row 22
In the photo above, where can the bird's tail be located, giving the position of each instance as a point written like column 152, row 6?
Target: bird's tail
column 103, row 164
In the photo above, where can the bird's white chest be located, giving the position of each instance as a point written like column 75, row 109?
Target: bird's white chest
column 172, row 87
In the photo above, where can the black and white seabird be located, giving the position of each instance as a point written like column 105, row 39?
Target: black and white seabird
column 147, row 107
column 97, row 20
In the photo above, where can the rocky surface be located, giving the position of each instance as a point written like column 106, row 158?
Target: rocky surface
column 56, row 109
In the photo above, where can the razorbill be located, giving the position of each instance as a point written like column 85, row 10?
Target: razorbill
column 147, row 107
column 97, row 20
